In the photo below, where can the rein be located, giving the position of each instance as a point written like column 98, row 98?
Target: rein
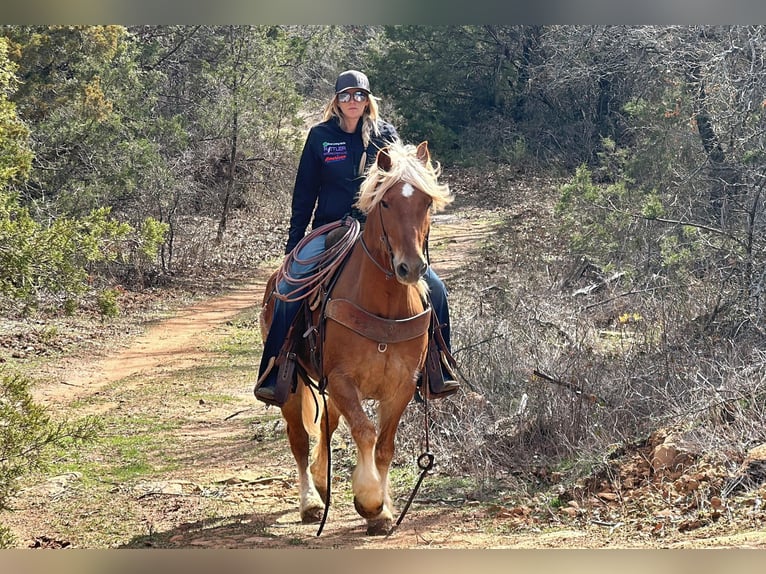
column 387, row 273
column 426, row 458
column 425, row 461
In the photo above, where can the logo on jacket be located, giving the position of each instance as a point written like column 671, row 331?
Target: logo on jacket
column 333, row 151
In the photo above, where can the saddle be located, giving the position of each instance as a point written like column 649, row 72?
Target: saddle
column 439, row 361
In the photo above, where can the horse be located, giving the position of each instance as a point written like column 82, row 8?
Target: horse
column 375, row 324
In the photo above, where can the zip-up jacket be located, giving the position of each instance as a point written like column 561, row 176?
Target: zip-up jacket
column 328, row 177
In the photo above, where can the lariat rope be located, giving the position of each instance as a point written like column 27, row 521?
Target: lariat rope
column 323, row 265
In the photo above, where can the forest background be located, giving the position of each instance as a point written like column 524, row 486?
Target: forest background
column 131, row 158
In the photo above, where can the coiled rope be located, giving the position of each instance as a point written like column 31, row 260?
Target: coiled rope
column 321, row 266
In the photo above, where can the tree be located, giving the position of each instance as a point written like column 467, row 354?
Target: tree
column 230, row 89
column 75, row 94
column 450, row 83
column 15, row 155
column 28, row 434
column 693, row 170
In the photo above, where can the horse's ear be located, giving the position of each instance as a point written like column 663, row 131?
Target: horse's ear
column 383, row 159
column 422, row 153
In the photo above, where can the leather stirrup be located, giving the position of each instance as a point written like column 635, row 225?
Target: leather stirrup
column 439, row 361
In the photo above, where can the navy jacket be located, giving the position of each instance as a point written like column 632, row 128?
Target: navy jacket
column 328, row 177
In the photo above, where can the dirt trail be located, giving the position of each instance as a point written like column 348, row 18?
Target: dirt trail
column 173, row 343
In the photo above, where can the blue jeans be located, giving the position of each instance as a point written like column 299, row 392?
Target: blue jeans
column 284, row 312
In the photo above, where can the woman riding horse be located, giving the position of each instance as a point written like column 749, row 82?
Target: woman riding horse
column 335, row 157
column 373, row 321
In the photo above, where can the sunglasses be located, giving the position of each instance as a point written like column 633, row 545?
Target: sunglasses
column 359, row 96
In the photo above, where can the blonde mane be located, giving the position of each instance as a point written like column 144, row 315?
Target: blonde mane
column 405, row 167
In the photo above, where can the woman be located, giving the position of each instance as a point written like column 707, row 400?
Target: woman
column 332, row 166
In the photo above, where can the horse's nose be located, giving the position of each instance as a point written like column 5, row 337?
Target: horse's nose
column 416, row 271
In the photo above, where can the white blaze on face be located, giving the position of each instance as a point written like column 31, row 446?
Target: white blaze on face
column 407, row 190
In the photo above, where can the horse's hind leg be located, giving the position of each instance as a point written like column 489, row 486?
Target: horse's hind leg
column 319, row 468
column 311, row 504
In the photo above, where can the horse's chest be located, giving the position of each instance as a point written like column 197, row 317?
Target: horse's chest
column 359, row 356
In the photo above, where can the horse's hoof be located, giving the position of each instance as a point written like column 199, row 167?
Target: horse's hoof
column 312, row 515
column 379, row 527
column 364, row 513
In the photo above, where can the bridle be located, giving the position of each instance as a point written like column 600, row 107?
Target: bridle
column 386, row 242
column 389, row 249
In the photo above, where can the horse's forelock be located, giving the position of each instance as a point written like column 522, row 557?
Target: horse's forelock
column 405, row 167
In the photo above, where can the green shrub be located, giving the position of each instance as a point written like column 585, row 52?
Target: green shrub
column 57, row 259
column 107, row 303
column 27, row 434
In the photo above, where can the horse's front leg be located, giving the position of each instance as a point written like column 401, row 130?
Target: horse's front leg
column 369, row 493
column 389, row 413
column 311, row 504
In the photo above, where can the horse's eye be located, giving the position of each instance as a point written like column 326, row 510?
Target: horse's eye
column 384, row 204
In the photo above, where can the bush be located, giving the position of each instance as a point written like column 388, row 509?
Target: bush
column 56, row 260
column 27, row 434
column 107, row 303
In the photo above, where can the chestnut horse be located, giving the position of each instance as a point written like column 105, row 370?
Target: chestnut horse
column 375, row 322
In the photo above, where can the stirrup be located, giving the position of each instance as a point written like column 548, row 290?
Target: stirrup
column 448, row 387
column 275, row 392
column 438, row 371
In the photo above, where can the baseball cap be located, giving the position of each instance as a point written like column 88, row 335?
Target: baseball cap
column 352, row 79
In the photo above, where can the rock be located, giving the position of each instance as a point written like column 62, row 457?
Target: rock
column 671, row 455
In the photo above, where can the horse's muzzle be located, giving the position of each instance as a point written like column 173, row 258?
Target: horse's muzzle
column 410, row 273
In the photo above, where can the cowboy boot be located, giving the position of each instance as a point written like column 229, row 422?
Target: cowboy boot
column 439, row 366
column 276, row 373
column 265, row 388
column 276, row 383
column 438, row 370
column 441, row 379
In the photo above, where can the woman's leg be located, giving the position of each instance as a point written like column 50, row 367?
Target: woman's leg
column 438, row 294
column 267, row 389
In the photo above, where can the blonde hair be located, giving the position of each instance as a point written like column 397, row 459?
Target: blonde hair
column 370, row 118
column 407, row 167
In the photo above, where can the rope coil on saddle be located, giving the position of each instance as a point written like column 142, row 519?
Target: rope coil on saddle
column 322, row 265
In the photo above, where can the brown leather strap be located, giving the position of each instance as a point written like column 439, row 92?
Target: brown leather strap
column 377, row 328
